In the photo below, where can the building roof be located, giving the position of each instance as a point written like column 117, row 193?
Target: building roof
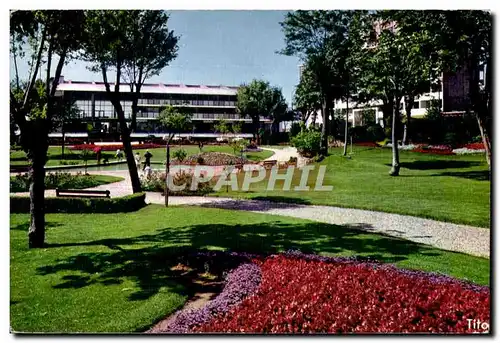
column 85, row 86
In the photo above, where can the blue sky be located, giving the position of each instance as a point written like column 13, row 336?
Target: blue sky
column 222, row 48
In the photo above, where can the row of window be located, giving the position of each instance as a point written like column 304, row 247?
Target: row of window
column 186, row 102
column 215, row 116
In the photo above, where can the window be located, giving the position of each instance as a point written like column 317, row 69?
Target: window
column 415, row 104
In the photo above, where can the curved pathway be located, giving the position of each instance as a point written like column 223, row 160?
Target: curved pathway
column 282, row 155
column 448, row 236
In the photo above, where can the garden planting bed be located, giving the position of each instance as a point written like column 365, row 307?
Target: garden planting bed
column 215, row 159
column 298, row 293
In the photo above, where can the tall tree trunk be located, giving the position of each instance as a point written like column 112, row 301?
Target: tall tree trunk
column 486, row 139
column 346, row 130
column 36, row 233
column 63, row 139
column 480, row 103
column 167, row 171
column 129, row 155
column 409, row 99
column 256, row 128
column 395, row 148
column 324, row 130
column 114, row 97
column 387, row 109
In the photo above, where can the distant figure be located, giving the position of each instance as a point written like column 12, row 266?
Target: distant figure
column 147, row 171
column 119, row 155
column 147, row 159
column 137, row 160
column 97, row 151
column 200, row 145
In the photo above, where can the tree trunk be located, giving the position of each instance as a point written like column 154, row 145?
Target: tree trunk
column 36, row 233
column 408, row 107
column 256, row 127
column 167, row 170
column 127, row 148
column 346, row 129
column 62, row 146
column 480, row 104
column 395, row 148
column 486, row 139
column 324, row 129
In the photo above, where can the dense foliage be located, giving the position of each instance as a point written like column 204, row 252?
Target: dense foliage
column 21, row 182
column 307, row 143
column 127, row 203
column 308, row 294
column 156, row 183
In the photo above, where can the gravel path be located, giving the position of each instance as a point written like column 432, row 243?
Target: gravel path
column 448, row 236
column 282, row 155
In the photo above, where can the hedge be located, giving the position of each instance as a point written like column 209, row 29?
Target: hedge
column 129, row 203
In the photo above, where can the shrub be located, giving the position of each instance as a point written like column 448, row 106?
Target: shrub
column 307, row 143
column 156, row 183
column 451, row 139
column 180, row 154
column 200, row 160
column 375, row 133
column 238, row 145
column 127, row 203
column 21, row 182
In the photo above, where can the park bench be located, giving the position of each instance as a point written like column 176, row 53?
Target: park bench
column 270, row 163
column 82, row 193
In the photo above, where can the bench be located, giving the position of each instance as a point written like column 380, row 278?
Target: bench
column 270, row 163
column 82, row 193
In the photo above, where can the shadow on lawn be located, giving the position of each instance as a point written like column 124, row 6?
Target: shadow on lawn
column 26, row 226
column 479, row 175
column 148, row 262
column 436, row 164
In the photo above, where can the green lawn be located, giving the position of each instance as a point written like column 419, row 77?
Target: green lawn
column 111, row 272
column 447, row 188
column 18, row 157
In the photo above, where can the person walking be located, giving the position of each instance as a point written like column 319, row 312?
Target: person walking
column 119, row 155
column 138, row 160
column 147, row 159
column 97, row 151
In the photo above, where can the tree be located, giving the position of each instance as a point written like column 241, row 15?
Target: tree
column 458, row 40
column 392, row 64
column 173, row 120
column 50, row 34
column 137, row 45
column 259, row 100
column 221, row 126
column 319, row 38
column 279, row 112
column 151, row 47
column 307, row 97
column 236, row 127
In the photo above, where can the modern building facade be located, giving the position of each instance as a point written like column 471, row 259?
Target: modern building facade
column 208, row 104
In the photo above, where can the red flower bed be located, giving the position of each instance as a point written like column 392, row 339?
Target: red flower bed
column 474, row 146
column 114, row 147
column 438, row 151
column 314, row 295
column 368, row 144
